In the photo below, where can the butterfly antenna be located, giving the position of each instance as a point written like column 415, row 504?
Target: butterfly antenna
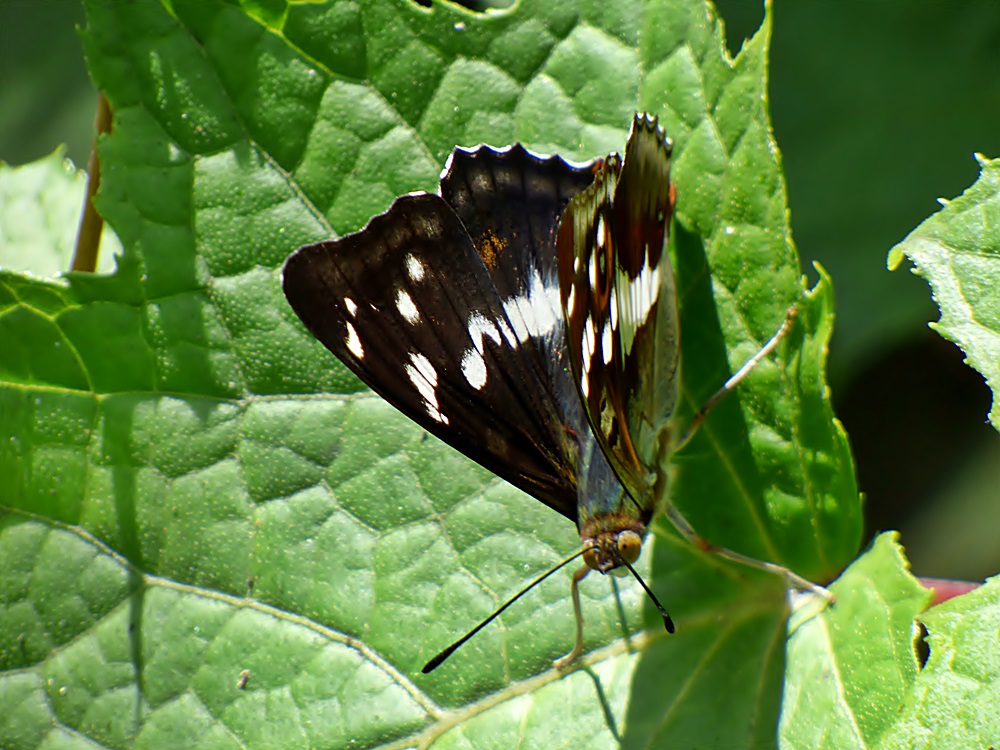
column 439, row 659
column 668, row 623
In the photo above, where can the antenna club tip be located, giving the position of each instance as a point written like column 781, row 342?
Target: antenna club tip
column 668, row 624
column 435, row 662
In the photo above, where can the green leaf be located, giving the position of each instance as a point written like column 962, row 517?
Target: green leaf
column 848, row 690
column 955, row 700
column 958, row 251
column 195, row 490
column 40, row 206
column 873, row 691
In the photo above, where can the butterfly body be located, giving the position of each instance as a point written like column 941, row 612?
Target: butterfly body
column 527, row 316
column 619, row 303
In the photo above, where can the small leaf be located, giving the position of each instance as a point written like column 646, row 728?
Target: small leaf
column 40, row 205
column 955, row 700
column 854, row 663
column 855, row 680
column 958, row 251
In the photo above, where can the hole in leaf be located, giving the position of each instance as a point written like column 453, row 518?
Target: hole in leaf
column 921, row 649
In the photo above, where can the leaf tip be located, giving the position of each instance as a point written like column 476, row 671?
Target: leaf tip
column 895, row 258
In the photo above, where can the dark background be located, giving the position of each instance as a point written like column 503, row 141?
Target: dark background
column 878, row 107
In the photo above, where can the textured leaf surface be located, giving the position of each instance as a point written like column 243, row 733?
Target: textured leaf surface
column 212, row 536
column 958, row 251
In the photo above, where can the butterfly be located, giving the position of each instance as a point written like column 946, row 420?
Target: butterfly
column 526, row 315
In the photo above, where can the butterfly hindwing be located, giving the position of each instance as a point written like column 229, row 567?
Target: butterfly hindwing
column 619, row 301
column 448, row 307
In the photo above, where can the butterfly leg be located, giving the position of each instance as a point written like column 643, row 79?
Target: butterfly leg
column 793, row 579
column 730, row 385
column 572, row 656
column 682, row 524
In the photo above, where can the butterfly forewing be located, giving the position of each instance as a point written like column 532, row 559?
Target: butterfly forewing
column 448, row 307
column 619, row 301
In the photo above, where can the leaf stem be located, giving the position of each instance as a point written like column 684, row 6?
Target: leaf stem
column 88, row 236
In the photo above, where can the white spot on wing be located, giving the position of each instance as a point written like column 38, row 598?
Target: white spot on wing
column 606, row 343
column 480, row 327
column 414, row 268
column 473, row 363
column 354, row 342
column 351, row 306
column 637, row 299
column 536, row 313
column 406, row 307
column 588, row 345
column 474, row 369
column 512, row 308
column 508, row 334
column 424, row 377
column 600, row 231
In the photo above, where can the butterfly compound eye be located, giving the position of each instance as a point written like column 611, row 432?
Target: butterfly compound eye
column 629, row 546
column 590, row 557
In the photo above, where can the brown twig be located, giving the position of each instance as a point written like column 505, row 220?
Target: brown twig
column 88, row 236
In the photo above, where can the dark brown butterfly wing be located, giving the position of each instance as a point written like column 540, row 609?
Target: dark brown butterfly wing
column 448, row 307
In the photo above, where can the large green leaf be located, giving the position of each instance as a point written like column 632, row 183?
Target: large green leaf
column 197, row 496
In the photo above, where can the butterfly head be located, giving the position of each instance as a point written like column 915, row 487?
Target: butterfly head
column 612, row 540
